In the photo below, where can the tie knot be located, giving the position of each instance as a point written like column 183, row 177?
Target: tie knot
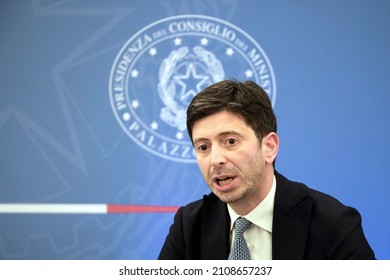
column 241, row 225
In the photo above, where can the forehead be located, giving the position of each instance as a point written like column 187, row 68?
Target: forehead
column 220, row 123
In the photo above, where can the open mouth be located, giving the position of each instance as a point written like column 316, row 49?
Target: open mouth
column 224, row 181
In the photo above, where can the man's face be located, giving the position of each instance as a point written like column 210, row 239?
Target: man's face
column 231, row 159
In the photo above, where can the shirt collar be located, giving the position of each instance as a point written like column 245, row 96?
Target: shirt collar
column 262, row 214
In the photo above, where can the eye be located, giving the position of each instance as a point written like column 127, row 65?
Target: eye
column 231, row 141
column 202, row 148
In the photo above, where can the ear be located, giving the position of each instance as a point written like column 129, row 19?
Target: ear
column 270, row 147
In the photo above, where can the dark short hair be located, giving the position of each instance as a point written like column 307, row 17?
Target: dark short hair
column 246, row 99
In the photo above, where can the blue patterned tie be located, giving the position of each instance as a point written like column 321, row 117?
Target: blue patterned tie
column 240, row 248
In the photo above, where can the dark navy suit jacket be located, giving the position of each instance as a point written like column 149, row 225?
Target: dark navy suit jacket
column 307, row 224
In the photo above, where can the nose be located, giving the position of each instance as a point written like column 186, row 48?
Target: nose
column 217, row 157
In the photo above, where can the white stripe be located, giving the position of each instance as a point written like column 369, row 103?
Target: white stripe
column 50, row 208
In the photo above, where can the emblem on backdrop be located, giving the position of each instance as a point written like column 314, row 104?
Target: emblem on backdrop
column 164, row 65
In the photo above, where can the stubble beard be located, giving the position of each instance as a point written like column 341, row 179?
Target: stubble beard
column 241, row 193
column 247, row 193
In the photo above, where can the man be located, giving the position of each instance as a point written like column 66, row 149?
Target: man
column 233, row 130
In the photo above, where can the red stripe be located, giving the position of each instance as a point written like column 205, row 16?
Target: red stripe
column 111, row 208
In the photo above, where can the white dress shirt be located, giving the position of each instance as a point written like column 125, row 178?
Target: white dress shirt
column 259, row 235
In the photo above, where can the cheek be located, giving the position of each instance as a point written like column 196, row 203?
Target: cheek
column 249, row 160
column 255, row 152
column 203, row 165
column 248, row 155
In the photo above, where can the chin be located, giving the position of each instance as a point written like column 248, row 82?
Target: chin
column 229, row 198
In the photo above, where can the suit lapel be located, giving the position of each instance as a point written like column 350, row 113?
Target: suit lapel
column 292, row 211
column 215, row 229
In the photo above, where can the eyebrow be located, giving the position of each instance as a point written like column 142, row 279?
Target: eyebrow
column 224, row 133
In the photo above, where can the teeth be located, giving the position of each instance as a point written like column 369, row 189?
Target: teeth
column 224, row 181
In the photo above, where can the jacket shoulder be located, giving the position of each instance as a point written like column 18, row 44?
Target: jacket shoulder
column 328, row 228
column 292, row 193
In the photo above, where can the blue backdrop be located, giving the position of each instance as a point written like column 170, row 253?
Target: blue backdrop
column 93, row 95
